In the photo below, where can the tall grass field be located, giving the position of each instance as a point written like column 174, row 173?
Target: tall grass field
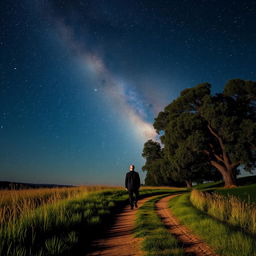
column 59, row 221
column 16, row 203
column 229, row 209
column 223, row 238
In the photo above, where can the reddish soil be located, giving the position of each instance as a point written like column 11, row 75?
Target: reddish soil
column 120, row 240
column 192, row 244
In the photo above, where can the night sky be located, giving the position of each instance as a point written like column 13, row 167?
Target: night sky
column 81, row 81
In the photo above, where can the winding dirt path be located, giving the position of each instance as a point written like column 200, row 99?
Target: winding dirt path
column 193, row 245
column 119, row 240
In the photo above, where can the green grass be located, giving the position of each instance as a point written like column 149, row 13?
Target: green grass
column 225, row 240
column 157, row 241
column 245, row 193
column 64, row 228
column 241, row 181
column 229, row 209
column 208, row 185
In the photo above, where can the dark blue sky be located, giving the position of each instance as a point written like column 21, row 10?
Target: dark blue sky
column 81, row 81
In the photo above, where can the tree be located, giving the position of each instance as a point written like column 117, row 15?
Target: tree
column 157, row 168
column 201, row 129
column 152, row 152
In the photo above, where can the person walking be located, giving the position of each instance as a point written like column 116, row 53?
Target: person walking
column 132, row 184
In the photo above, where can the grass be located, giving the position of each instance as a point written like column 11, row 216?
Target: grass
column 157, row 241
column 245, row 193
column 63, row 227
column 208, row 185
column 55, row 229
column 229, row 209
column 241, row 181
column 17, row 203
column 225, row 240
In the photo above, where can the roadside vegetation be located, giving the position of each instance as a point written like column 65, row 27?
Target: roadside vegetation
column 61, row 227
column 157, row 241
column 229, row 208
column 223, row 238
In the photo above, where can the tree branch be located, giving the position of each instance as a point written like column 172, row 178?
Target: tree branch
column 226, row 159
column 219, row 158
column 234, row 165
column 220, row 167
column 217, row 136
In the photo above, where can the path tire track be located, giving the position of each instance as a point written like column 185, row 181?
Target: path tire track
column 120, row 240
column 192, row 244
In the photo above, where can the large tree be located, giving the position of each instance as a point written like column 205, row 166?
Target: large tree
column 217, row 130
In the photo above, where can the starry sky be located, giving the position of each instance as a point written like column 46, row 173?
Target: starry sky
column 82, row 81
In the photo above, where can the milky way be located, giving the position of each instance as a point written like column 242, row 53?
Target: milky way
column 123, row 98
column 82, row 80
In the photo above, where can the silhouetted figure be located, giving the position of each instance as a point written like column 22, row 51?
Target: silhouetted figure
column 132, row 184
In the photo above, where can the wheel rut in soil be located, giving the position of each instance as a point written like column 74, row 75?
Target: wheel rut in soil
column 192, row 244
column 120, row 240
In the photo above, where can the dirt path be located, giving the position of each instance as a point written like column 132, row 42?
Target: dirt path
column 119, row 240
column 193, row 246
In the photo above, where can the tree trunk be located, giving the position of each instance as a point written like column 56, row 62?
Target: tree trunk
column 223, row 162
column 189, row 183
column 229, row 178
column 227, row 172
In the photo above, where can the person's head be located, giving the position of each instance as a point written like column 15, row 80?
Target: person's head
column 132, row 167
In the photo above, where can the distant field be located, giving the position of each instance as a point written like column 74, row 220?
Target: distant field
column 209, row 185
column 19, row 185
column 246, row 189
column 245, row 193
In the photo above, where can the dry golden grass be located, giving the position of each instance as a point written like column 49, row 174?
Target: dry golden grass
column 226, row 208
column 14, row 203
column 50, row 221
column 17, row 203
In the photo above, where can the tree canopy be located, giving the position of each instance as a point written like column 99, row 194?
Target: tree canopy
column 203, row 132
column 157, row 167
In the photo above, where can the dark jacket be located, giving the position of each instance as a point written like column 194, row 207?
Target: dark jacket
column 132, row 180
